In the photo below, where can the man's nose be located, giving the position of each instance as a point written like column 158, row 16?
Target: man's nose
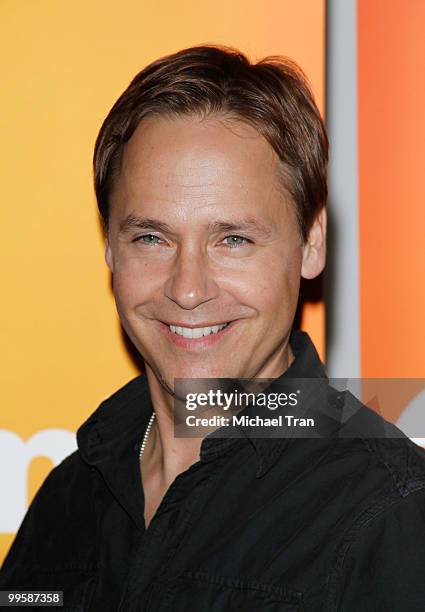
column 191, row 282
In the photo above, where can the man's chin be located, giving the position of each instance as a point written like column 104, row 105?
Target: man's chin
column 190, row 373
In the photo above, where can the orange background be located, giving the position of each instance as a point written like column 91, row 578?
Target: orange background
column 391, row 120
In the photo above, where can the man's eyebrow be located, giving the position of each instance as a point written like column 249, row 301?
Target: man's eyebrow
column 237, row 225
column 242, row 225
column 144, row 223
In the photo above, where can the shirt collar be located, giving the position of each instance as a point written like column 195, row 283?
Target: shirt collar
column 306, row 365
column 110, row 438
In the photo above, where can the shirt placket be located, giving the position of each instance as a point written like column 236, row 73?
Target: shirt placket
column 152, row 565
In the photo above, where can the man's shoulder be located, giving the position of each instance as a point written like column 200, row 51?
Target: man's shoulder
column 402, row 460
column 384, row 443
column 67, row 484
column 72, row 474
column 366, row 432
column 382, row 534
column 61, row 511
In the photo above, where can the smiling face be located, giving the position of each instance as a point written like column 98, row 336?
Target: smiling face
column 200, row 234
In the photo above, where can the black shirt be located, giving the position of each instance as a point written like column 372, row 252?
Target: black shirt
column 257, row 524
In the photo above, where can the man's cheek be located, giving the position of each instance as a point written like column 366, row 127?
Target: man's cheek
column 128, row 291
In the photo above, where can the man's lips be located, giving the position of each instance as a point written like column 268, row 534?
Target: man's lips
column 196, row 343
column 189, row 326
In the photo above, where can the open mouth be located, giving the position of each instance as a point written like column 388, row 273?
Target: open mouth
column 188, row 336
column 197, row 332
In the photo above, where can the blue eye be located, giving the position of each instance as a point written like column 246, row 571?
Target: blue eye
column 149, row 241
column 234, row 244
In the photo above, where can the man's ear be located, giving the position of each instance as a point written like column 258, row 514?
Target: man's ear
column 108, row 256
column 314, row 250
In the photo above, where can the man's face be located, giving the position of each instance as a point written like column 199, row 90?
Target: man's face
column 200, row 235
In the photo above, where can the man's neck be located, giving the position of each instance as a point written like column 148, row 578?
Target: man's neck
column 173, row 455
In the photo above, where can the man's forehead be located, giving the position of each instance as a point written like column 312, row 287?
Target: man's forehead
column 175, row 144
column 193, row 169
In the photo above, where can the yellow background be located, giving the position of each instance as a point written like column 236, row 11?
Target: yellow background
column 64, row 65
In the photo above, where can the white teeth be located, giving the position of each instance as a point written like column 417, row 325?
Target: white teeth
column 198, row 332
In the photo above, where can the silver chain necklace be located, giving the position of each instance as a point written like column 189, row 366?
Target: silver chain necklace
column 145, row 437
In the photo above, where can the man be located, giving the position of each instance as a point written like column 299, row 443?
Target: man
column 210, row 176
